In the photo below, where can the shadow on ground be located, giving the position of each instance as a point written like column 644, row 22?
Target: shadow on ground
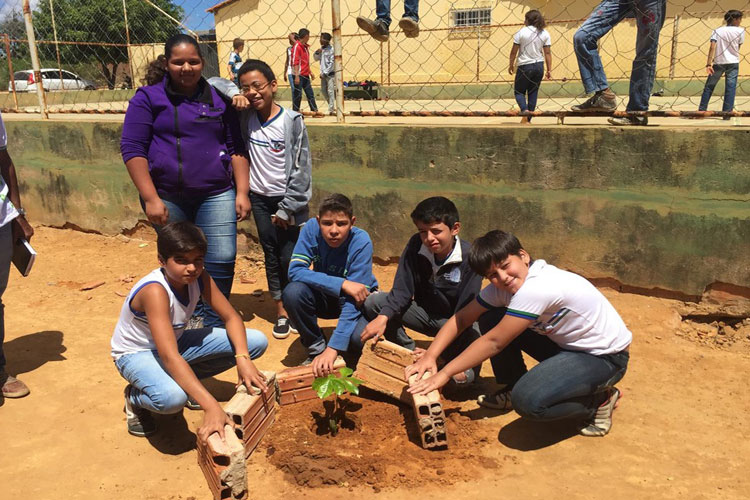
column 29, row 352
column 525, row 435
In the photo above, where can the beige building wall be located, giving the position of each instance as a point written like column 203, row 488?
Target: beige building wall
column 443, row 54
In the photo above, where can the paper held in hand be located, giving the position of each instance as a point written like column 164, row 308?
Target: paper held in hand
column 23, row 256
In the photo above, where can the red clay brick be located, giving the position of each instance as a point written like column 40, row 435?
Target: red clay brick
column 223, row 465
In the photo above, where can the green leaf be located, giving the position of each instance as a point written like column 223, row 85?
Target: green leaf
column 345, row 371
column 322, row 386
column 350, row 386
column 356, row 381
column 337, row 385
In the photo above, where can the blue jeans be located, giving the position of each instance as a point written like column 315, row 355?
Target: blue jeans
column 305, row 305
column 277, row 243
column 6, row 253
column 208, row 351
column 217, row 218
column 528, row 79
column 383, row 10
column 304, row 84
column 565, row 384
column 730, row 86
column 649, row 16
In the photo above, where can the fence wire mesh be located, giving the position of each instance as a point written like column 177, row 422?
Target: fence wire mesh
column 93, row 53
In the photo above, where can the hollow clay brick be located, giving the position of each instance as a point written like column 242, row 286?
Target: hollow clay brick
column 430, row 417
column 223, row 465
column 381, row 367
column 300, row 377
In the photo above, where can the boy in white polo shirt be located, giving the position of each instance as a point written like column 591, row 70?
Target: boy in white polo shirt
column 724, row 58
column 555, row 316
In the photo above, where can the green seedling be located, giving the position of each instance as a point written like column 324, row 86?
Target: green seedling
column 338, row 385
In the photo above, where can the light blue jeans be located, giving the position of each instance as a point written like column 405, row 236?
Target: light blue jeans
column 649, row 17
column 383, row 10
column 6, row 253
column 208, row 351
column 217, row 218
column 730, row 86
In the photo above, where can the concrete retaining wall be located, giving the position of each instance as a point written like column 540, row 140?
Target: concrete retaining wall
column 650, row 207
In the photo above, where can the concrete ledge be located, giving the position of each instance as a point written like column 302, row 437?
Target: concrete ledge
column 650, row 207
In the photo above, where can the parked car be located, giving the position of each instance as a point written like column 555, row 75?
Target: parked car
column 50, row 81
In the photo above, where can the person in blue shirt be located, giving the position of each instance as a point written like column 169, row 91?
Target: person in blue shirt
column 330, row 276
column 235, row 59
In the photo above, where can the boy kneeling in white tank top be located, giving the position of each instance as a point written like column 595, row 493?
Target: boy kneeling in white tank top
column 558, row 318
column 162, row 361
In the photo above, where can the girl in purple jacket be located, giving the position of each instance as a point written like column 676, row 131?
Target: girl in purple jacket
column 183, row 148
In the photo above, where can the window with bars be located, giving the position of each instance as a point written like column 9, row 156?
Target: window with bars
column 471, row 17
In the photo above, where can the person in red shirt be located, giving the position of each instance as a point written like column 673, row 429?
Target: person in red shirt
column 301, row 72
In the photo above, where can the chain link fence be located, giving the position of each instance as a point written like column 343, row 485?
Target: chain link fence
column 93, row 53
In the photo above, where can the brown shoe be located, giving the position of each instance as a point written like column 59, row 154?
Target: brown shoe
column 12, row 387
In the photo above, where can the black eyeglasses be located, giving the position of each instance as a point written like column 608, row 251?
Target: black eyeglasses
column 256, row 86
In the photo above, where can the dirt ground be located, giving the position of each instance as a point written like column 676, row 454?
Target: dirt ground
column 680, row 432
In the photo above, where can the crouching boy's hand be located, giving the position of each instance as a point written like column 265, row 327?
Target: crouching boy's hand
column 357, row 291
column 249, row 375
column 322, row 365
column 375, row 329
column 426, row 364
column 429, row 384
column 214, row 420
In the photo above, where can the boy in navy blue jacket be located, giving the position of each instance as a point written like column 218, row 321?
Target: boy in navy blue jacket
column 335, row 287
column 433, row 281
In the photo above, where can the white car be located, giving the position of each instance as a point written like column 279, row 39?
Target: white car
column 51, row 81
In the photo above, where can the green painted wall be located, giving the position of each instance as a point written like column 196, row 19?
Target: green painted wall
column 650, row 207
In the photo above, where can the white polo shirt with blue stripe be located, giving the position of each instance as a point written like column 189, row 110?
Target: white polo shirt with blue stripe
column 564, row 306
column 265, row 145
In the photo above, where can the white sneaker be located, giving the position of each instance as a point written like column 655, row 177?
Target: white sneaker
column 602, row 421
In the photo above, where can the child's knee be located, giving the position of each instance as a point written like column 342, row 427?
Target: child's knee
column 582, row 39
column 257, row 343
column 526, row 404
column 373, row 304
column 294, row 294
column 167, row 402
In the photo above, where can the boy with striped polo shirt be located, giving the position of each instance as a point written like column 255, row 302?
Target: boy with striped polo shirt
column 555, row 316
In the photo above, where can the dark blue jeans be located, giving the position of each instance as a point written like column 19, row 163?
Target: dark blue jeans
column 565, row 384
column 730, row 86
column 217, row 218
column 528, row 79
column 383, row 10
column 304, row 84
column 305, row 305
column 649, row 17
column 6, row 253
column 277, row 243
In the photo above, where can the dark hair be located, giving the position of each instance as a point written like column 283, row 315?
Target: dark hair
column 326, row 36
column 302, row 33
column 237, row 43
column 731, row 15
column 492, row 248
column 436, row 209
column 336, row 202
column 157, row 68
column 295, row 35
column 536, row 19
column 256, row 65
column 179, row 238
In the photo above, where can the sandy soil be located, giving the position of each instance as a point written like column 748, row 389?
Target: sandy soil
column 680, row 432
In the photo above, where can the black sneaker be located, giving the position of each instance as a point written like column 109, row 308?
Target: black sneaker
column 601, row 101
column 281, row 329
column 308, row 361
column 192, row 404
column 409, row 26
column 377, row 28
column 140, row 421
column 629, row 120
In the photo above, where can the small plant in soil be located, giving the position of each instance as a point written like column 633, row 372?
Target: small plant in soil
column 338, row 385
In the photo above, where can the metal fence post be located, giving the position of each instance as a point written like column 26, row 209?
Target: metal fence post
column 34, row 58
column 127, row 41
column 337, row 59
column 10, row 69
column 675, row 33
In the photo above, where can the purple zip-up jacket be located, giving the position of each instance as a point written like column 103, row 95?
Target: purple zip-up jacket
column 188, row 141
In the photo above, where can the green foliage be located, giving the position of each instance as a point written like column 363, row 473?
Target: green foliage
column 334, row 384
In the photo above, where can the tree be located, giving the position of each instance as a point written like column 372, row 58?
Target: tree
column 102, row 24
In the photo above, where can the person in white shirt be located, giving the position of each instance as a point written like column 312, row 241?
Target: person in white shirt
column 288, row 70
column 724, row 58
column 327, row 81
column 531, row 48
column 555, row 316
column 13, row 225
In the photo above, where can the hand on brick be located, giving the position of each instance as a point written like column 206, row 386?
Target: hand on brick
column 249, row 375
column 322, row 365
column 425, row 364
column 375, row 329
column 214, row 420
column 429, row 384
column 357, row 291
